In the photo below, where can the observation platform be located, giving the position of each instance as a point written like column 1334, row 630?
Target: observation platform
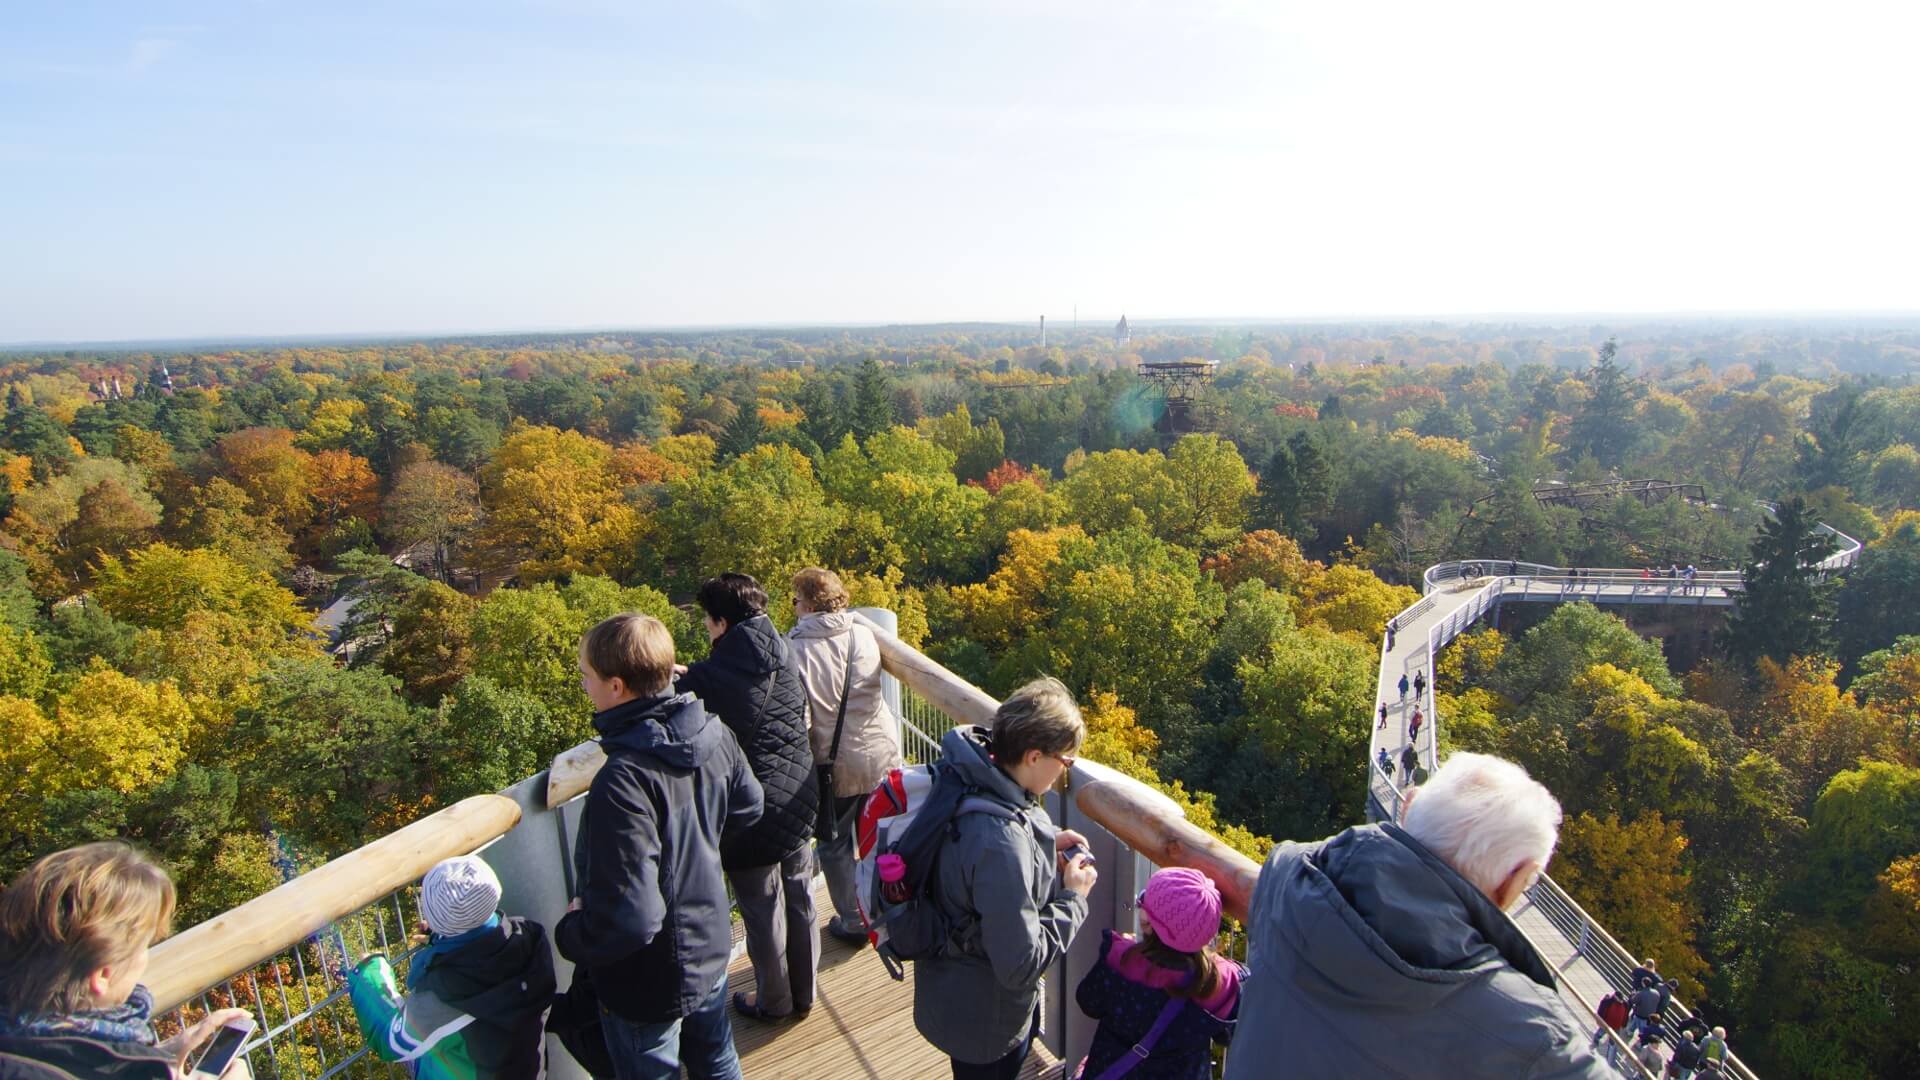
column 281, row 955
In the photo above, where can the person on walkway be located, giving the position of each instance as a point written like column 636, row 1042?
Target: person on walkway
column 1646, row 1006
column 477, row 994
column 1413, row 728
column 1419, row 684
column 1714, row 1053
column 1646, row 574
column 1646, row 974
column 1614, row 1013
column 1385, row 760
column 1647, row 1049
column 1163, row 999
column 839, row 661
column 1409, row 761
column 1383, row 717
column 1005, row 886
column 1392, row 626
column 649, row 920
column 1692, row 574
column 750, row 682
column 1388, row 944
column 1686, row 1057
column 74, row 932
column 1403, row 686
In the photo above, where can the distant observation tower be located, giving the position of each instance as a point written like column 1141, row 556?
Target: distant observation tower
column 1180, row 383
column 1121, row 334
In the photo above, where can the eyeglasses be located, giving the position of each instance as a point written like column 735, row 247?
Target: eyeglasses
column 1068, row 760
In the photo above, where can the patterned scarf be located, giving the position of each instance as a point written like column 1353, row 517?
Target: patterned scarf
column 128, row 1023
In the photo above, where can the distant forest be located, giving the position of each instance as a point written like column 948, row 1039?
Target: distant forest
column 1742, row 793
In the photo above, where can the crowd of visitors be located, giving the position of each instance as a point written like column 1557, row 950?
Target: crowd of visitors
column 1381, row 950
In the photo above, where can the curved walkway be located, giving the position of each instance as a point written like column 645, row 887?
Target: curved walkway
column 1458, row 594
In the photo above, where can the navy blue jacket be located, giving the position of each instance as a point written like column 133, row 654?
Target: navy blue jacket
column 653, row 927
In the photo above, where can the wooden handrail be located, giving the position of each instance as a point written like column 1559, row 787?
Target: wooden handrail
column 233, row 941
column 1144, row 826
column 962, row 701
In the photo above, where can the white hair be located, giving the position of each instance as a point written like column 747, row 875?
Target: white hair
column 1484, row 817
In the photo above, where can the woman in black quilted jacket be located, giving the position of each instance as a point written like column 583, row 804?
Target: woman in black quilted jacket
column 750, row 682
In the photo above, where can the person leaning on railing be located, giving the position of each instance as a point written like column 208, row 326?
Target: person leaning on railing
column 839, row 661
column 74, row 933
column 1385, row 950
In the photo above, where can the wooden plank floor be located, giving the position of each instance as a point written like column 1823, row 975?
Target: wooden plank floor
column 861, row 1026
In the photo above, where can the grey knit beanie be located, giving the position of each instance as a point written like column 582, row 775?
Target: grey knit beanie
column 459, row 894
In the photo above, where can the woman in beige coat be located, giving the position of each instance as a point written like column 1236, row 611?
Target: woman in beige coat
column 825, row 642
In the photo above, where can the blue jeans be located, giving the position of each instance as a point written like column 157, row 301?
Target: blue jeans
column 703, row 1039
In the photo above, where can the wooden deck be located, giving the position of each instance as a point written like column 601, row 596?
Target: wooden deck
column 861, row 1025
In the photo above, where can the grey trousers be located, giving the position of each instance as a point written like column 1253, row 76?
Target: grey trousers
column 836, row 863
column 783, row 936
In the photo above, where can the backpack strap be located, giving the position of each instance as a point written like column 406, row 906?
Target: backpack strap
column 1144, row 1048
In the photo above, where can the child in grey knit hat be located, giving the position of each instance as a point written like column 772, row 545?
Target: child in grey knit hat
column 477, row 990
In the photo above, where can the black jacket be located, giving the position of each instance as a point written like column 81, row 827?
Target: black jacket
column 504, row 980
column 66, row 1057
column 653, row 927
column 751, row 683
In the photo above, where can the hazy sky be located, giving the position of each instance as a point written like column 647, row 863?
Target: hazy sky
column 176, row 169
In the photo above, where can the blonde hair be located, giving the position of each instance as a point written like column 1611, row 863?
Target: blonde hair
column 1039, row 716
column 69, row 915
column 634, row 648
column 821, row 590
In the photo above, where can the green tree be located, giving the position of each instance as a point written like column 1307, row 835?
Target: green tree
column 763, row 513
column 1604, row 427
column 1876, row 603
column 327, row 752
column 1786, row 605
column 1863, row 820
column 872, row 400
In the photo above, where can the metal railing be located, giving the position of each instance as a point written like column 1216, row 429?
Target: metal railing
column 307, row 1029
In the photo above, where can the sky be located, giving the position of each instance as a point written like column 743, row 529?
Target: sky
column 173, row 169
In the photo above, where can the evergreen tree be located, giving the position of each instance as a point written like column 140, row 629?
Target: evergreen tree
column 1829, row 453
column 744, row 431
column 1604, row 427
column 1786, row 609
column 821, row 418
column 872, row 400
column 29, row 430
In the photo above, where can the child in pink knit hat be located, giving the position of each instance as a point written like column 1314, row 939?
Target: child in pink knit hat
column 1165, row 998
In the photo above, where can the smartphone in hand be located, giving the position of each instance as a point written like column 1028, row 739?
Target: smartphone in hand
column 1075, row 852
column 218, row 1052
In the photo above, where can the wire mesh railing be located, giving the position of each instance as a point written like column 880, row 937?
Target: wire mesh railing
column 306, row 1027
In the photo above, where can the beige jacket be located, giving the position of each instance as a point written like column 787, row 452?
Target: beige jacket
column 822, row 643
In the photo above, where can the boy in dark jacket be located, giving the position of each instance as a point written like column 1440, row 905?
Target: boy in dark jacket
column 477, row 995
column 650, row 920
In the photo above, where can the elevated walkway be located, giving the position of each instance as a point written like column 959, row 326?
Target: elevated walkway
column 1456, row 596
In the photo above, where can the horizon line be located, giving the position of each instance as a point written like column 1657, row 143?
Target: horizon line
column 1096, row 322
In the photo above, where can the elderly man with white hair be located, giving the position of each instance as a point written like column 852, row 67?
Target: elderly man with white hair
column 1386, row 950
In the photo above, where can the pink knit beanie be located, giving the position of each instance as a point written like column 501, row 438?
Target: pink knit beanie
column 1183, row 907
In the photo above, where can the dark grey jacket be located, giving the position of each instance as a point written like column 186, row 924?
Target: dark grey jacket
column 653, row 927
column 1011, row 919
column 1372, row 958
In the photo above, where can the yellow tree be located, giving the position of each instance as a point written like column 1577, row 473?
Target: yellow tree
column 1816, row 729
column 1349, row 600
column 555, row 507
column 115, row 732
column 273, row 472
column 158, row 587
column 1003, row 609
column 1633, row 877
column 343, row 486
column 1263, row 555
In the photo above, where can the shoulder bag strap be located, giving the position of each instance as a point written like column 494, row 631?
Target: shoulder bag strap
column 1144, row 1047
column 840, row 718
